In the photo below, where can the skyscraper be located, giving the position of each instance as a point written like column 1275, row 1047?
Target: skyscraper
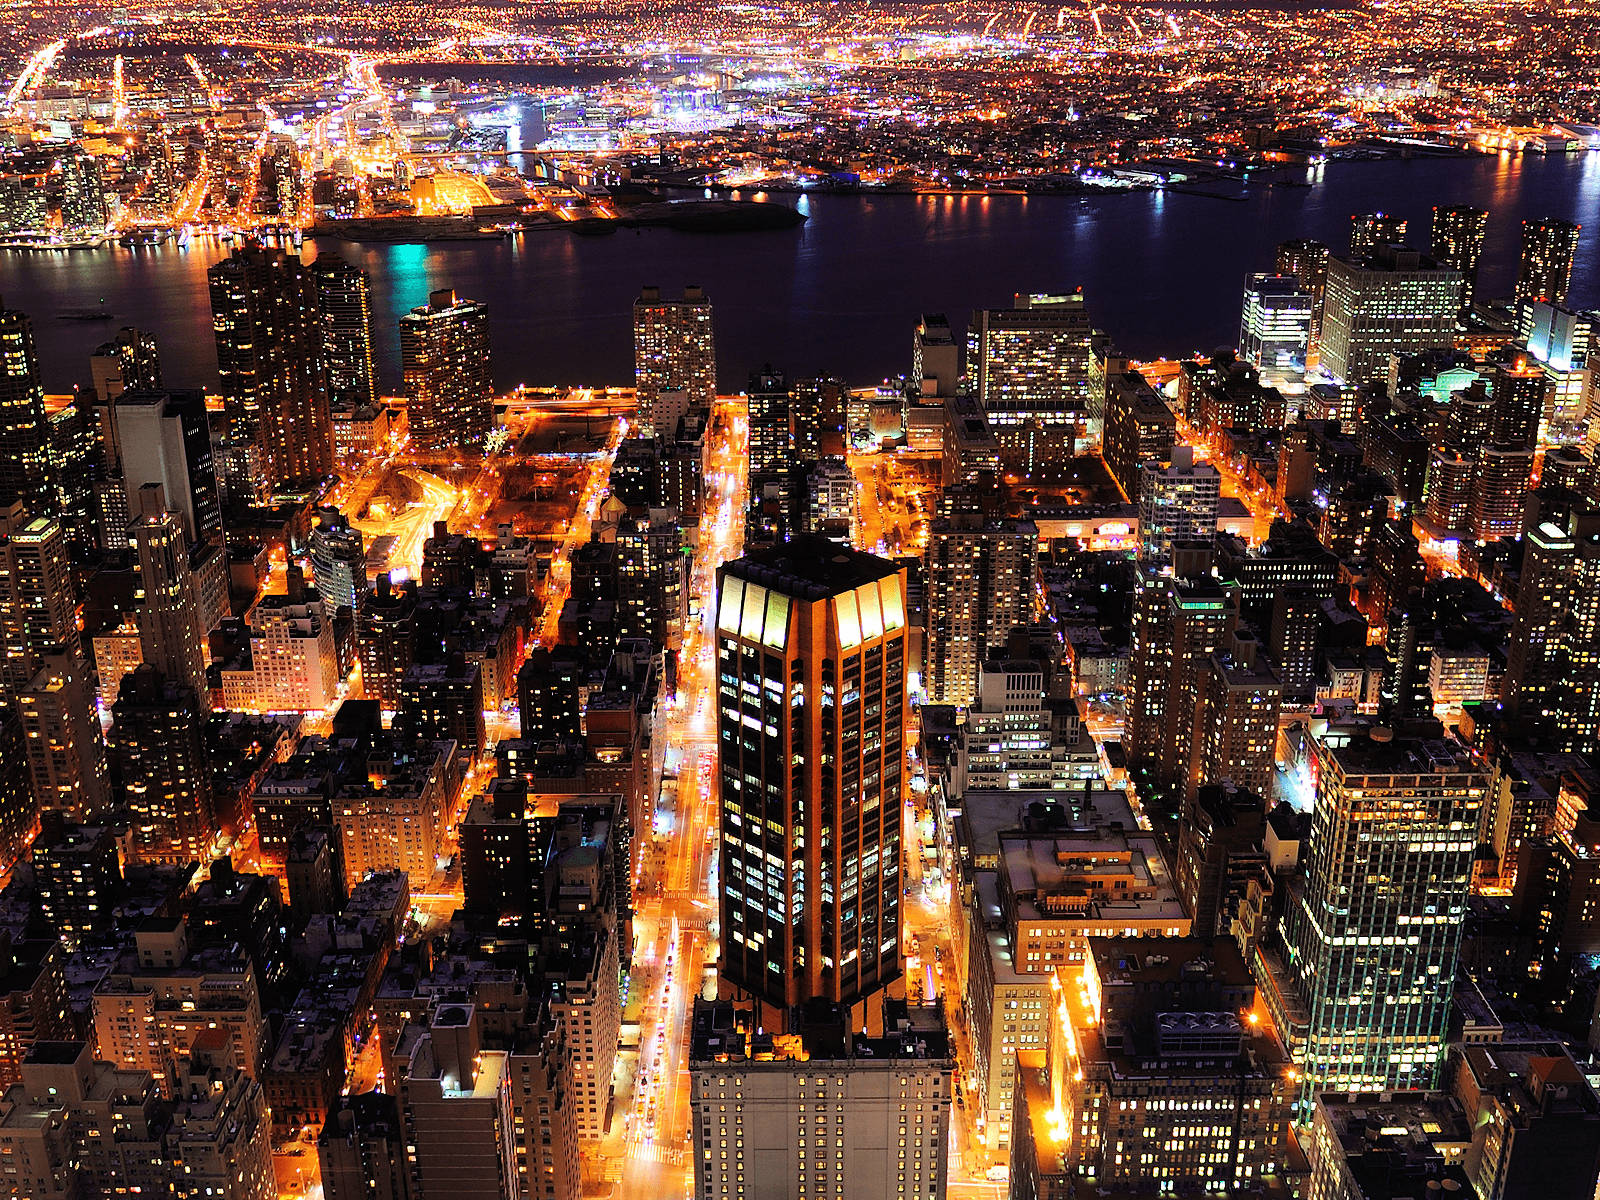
column 344, row 317
column 158, row 746
column 673, row 351
column 83, row 194
column 128, row 362
column 26, row 472
column 1177, row 502
column 169, row 621
column 1032, row 368
column 935, row 357
column 164, row 437
column 980, row 580
column 1307, row 261
column 1371, row 937
column 1457, row 242
column 38, row 609
column 811, row 647
column 1545, row 271
column 444, row 354
column 66, row 755
column 1368, row 231
column 1275, row 327
column 1553, row 654
column 1397, row 301
column 338, row 561
column 269, row 358
column 1520, row 396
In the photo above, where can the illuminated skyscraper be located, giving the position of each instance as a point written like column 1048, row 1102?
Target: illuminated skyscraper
column 66, row 755
column 128, row 362
column 1457, row 242
column 1177, row 502
column 811, row 670
column 164, row 437
column 673, row 351
column 1307, row 261
column 1371, row 936
column 170, row 635
column 344, row 312
column 444, row 354
column 269, row 357
column 1561, row 341
column 1548, row 249
column 26, row 472
column 980, row 579
column 1275, row 328
column 1368, row 231
column 159, row 747
column 1553, row 654
column 38, row 610
column 83, row 194
column 338, row 560
column 1520, row 396
column 1032, row 368
column 1397, row 301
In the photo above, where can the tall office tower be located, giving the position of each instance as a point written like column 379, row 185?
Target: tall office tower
column 158, row 749
column 444, row 355
column 170, row 635
column 386, row 638
column 1139, row 427
column 344, row 317
column 38, row 608
column 26, row 472
column 1370, row 937
column 772, row 448
column 1177, row 502
column 1307, row 261
column 1396, row 301
column 1275, row 327
column 816, row 409
column 128, row 362
column 1561, row 342
column 1553, row 654
column 1500, row 491
column 1368, row 231
column 811, row 642
column 269, row 358
column 1236, row 718
column 164, row 437
column 1219, row 853
column 19, row 816
column 24, row 204
column 1548, row 250
column 980, row 581
column 66, row 753
column 1033, row 374
column 673, row 351
column 83, row 194
column 1295, row 639
column 829, row 1112
column 1178, row 624
column 1457, row 242
column 1519, row 395
column 935, row 357
column 338, row 560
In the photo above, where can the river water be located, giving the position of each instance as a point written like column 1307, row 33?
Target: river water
column 1162, row 272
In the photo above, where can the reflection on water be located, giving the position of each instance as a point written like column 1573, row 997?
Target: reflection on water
column 1162, row 271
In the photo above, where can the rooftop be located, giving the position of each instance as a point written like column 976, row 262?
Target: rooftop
column 810, row 567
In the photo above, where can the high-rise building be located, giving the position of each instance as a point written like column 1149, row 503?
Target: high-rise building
column 811, row 647
column 38, row 607
column 386, row 632
column 344, row 317
column 1177, row 502
column 269, row 358
column 1032, row 369
column 1139, row 427
column 1307, row 261
column 26, row 472
column 1545, row 270
column 1500, row 490
column 827, row 1111
column 128, row 362
column 293, row 660
column 1561, row 342
column 1457, row 242
column 83, row 193
column 158, row 747
column 1236, row 718
column 1371, row 937
column 1368, row 231
column 162, row 437
column 935, row 357
column 338, row 560
column 66, row 754
column 444, row 355
column 170, row 633
column 1519, row 395
column 1275, row 327
column 1553, row 654
column 1395, row 301
column 980, row 580
column 673, row 351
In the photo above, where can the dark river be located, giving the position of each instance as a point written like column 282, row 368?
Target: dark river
column 1161, row 272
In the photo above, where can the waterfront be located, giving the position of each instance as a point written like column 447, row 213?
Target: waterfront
column 1161, row 272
